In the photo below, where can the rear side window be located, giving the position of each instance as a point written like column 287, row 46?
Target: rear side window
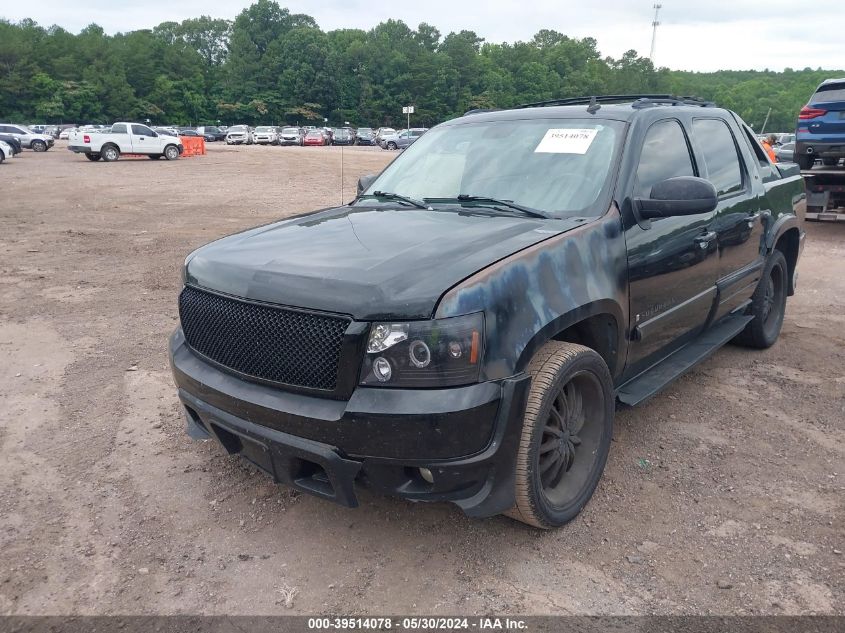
column 829, row 92
column 118, row 128
column 721, row 161
column 665, row 155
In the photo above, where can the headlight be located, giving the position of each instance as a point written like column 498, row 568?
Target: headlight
column 439, row 353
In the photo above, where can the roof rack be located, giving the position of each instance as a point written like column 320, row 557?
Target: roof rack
column 637, row 101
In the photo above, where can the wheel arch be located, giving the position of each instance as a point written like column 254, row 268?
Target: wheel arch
column 597, row 325
column 789, row 243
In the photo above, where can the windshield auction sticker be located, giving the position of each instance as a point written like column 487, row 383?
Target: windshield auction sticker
column 566, row 141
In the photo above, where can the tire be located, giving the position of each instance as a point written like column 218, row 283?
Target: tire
column 392, row 145
column 154, row 156
column 830, row 162
column 92, row 157
column 110, row 153
column 805, row 161
column 171, row 152
column 38, row 146
column 574, row 381
column 2, row 157
column 768, row 305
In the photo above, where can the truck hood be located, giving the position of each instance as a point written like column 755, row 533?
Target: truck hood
column 370, row 263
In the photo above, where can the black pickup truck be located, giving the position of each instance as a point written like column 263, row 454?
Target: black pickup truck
column 464, row 329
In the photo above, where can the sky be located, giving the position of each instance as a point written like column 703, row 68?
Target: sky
column 693, row 35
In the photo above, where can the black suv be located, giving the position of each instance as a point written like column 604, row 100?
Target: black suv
column 463, row 330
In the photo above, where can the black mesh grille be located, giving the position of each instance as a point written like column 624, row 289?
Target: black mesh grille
column 286, row 346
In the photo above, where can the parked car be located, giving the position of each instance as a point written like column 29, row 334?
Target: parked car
column 166, row 131
column 403, row 138
column 382, row 132
column 6, row 151
column 211, row 133
column 65, row 133
column 820, row 130
column 343, row 136
column 124, row 138
column 239, row 135
column 559, row 258
column 364, row 136
column 29, row 139
column 13, row 142
column 266, row 135
column 784, row 153
column 189, row 132
column 292, row 136
column 315, row 137
column 783, row 139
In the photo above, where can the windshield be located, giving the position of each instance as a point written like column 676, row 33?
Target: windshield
column 290, row 130
column 558, row 166
column 314, row 134
column 238, row 128
column 364, row 130
column 263, row 128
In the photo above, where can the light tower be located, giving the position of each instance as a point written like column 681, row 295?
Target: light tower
column 655, row 23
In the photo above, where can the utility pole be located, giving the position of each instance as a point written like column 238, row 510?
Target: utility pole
column 763, row 129
column 655, row 23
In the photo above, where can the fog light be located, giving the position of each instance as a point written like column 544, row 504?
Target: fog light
column 426, row 474
column 382, row 369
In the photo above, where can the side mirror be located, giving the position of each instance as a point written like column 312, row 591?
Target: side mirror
column 365, row 181
column 683, row 195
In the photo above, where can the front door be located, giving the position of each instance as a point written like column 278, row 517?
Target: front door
column 672, row 262
column 144, row 140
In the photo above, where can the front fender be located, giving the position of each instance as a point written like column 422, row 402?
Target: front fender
column 531, row 296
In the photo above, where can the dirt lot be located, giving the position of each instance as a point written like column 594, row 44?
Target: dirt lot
column 724, row 495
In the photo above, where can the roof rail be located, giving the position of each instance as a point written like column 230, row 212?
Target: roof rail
column 480, row 111
column 637, row 101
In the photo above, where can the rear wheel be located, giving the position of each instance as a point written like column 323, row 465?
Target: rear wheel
column 805, row 161
column 566, row 434
column 171, row 152
column 768, row 305
column 92, row 157
column 110, row 153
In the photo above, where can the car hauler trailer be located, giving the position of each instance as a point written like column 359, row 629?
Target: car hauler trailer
column 825, row 187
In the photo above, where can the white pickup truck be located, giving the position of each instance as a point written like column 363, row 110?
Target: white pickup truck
column 124, row 138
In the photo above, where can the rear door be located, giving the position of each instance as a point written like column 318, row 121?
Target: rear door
column 738, row 222
column 829, row 97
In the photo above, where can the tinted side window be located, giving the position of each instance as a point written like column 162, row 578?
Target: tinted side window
column 665, row 155
column 721, row 161
column 118, row 128
column 141, row 130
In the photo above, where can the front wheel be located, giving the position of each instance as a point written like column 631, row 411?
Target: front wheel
column 566, row 434
column 39, row 146
column 391, row 145
column 768, row 305
column 171, row 152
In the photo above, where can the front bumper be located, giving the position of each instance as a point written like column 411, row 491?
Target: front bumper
column 379, row 438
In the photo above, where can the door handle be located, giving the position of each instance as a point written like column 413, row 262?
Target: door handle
column 704, row 239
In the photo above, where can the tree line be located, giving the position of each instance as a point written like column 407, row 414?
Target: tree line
column 273, row 66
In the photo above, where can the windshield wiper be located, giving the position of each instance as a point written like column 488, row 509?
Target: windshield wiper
column 508, row 204
column 395, row 196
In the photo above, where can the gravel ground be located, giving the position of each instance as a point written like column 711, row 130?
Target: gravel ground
column 722, row 495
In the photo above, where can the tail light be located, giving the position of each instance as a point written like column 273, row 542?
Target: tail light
column 811, row 113
column 86, row 139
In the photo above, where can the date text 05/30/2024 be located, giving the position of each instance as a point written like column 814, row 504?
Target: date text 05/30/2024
column 416, row 624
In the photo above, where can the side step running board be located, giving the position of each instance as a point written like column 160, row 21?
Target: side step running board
column 655, row 378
